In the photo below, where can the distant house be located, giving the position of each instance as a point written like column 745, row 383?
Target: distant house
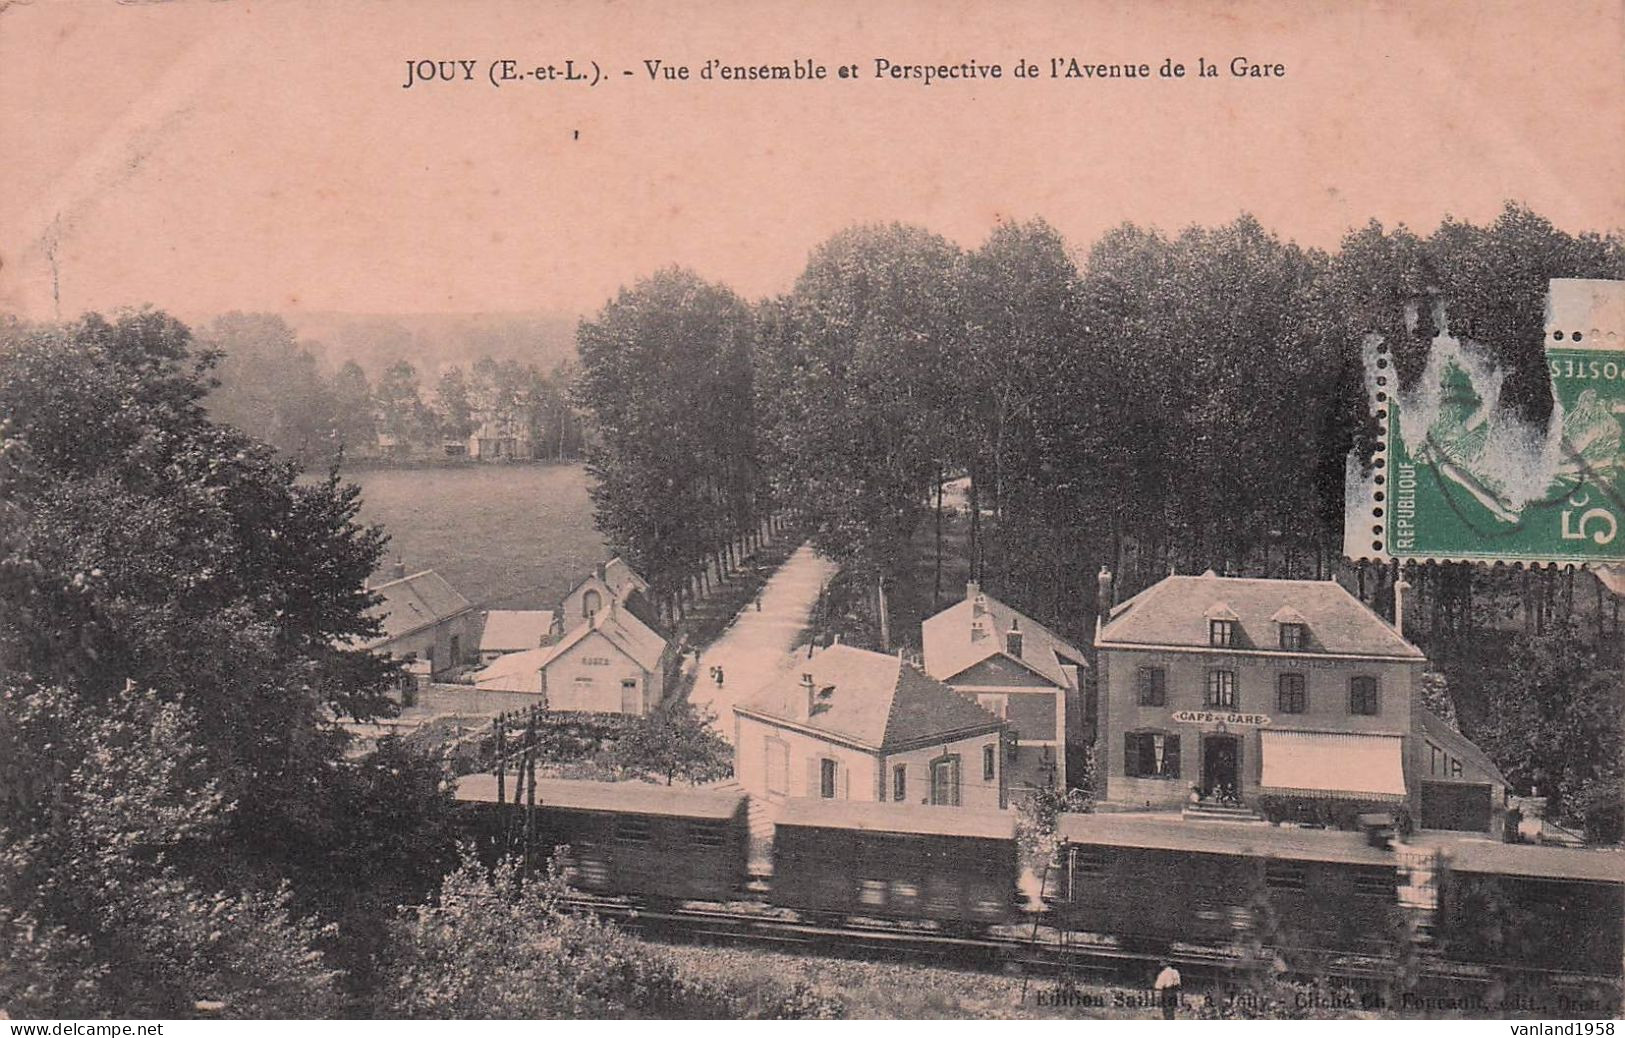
column 501, row 437
column 515, row 630
column 612, row 663
column 849, row 724
column 614, row 580
column 425, row 621
column 1018, row 670
column 1292, row 690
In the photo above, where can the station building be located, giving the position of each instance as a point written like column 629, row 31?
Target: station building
column 609, row 663
column 1291, row 694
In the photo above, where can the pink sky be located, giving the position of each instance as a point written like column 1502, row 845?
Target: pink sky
column 211, row 156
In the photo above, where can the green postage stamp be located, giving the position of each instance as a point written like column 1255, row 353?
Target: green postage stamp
column 1461, row 481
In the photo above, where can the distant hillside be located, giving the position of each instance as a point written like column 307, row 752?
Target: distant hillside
column 433, row 342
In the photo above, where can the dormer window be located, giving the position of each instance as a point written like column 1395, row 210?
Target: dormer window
column 1221, row 634
column 1292, row 636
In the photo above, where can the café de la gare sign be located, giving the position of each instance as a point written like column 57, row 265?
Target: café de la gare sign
column 1219, row 717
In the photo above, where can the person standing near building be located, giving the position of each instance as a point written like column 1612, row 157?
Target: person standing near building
column 1167, row 989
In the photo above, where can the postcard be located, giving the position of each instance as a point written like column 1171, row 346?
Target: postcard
column 607, row 511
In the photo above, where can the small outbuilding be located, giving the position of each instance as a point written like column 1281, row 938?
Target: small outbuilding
column 515, row 630
column 425, row 621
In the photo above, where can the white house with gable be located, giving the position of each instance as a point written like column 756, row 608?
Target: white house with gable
column 612, row 663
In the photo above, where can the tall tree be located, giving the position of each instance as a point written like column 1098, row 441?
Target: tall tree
column 271, row 386
column 665, row 373
column 1203, row 377
column 453, row 408
column 854, row 369
column 147, row 544
column 356, row 414
column 402, row 417
column 1023, row 308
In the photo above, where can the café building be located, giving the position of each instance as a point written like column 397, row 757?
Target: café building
column 1277, row 692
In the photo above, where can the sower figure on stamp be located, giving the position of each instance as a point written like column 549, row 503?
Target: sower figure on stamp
column 1167, row 989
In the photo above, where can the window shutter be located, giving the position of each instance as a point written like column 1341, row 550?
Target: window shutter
column 813, row 777
column 846, row 782
column 1131, row 756
column 1170, row 755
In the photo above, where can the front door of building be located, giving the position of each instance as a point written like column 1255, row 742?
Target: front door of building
column 1220, row 758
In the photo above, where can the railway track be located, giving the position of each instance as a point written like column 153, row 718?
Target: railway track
column 1047, row 954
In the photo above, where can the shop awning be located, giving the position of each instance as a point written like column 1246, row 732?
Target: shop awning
column 1327, row 764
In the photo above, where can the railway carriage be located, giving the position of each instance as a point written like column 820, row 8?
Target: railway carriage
column 630, row 839
column 1144, row 884
column 1150, row 883
column 844, row 859
column 1549, row 909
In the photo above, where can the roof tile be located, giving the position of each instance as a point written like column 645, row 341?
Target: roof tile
column 1174, row 612
column 951, row 649
column 870, row 698
column 510, row 630
column 415, row 602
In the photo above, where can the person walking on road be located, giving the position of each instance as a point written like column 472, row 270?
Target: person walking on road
column 1167, row 989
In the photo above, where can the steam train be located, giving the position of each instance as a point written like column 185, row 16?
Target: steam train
column 1142, row 884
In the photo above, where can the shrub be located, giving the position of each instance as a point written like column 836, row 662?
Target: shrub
column 501, row 945
column 1333, row 814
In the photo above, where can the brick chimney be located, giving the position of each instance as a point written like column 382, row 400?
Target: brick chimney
column 1105, row 599
column 397, row 569
column 809, row 694
column 1012, row 638
column 978, row 611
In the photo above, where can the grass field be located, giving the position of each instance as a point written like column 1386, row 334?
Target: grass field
column 506, row 536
